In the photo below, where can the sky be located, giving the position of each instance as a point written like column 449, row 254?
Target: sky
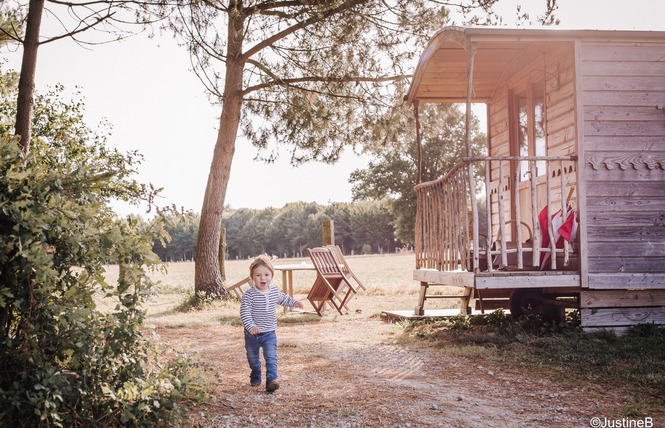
column 145, row 88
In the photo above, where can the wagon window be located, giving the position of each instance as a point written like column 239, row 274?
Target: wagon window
column 523, row 132
column 529, row 108
column 540, row 148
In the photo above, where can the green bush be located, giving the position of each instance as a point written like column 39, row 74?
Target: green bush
column 63, row 360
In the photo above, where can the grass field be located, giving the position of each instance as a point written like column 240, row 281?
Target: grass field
column 388, row 279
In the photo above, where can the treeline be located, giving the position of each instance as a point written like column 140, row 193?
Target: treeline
column 360, row 227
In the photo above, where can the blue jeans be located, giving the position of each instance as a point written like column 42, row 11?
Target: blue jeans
column 253, row 344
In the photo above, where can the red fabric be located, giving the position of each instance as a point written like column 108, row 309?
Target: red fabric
column 544, row 234
column 566, row 230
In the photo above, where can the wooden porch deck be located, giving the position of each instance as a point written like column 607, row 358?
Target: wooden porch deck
column 498, row 290
column 500, row 279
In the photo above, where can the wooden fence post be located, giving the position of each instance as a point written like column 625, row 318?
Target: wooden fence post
column 328, row 233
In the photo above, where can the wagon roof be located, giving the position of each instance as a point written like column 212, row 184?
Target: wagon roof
column 441, row 74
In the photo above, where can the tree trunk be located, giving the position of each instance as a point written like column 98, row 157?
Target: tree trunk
column 207, row 277
column 222, row 252
column 26, row 82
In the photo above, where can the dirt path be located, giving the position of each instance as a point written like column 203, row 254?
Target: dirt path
column 350, row 373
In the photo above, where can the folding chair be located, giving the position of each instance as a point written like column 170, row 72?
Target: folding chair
column 236, row 288
column 330, row 282
column 343, row 265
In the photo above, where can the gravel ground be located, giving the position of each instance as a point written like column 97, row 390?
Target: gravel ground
column 353, row 373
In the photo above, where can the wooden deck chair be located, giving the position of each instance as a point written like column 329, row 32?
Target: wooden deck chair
column 343, row 265
column 331, row 285
column 236, row 288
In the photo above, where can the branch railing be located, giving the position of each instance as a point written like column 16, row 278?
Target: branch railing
column 448, row 236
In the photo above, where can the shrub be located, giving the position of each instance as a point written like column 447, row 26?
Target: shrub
column 63, row 360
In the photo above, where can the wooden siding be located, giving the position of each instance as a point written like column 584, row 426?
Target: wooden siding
column 624, row 162
column 619, row 309
column 623, row 93
column 611, row 318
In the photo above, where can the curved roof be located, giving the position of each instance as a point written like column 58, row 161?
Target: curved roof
column 441, row 74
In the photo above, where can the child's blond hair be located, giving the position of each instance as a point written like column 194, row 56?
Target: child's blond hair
column 262, row 260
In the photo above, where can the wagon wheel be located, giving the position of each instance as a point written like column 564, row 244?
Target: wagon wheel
column 526, row 302
column 554, row 313
column 532, row 302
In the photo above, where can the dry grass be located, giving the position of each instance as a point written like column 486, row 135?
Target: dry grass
column 357, row 370
column 388, row 279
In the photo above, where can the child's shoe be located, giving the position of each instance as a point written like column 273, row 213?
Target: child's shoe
column 272, row 386
column 254, row 385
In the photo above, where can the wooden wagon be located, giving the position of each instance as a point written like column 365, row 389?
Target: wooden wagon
column 575, row 125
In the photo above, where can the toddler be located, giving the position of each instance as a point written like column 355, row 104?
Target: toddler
column 257, row 312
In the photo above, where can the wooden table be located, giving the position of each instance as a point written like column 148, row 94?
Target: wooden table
column 287, row 276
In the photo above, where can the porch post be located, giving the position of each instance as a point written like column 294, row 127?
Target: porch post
column 472, row 182
column 419, row 143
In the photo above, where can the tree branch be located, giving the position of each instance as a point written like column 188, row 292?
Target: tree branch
column 194, row 34
column 80, row 30
column 116, row 3
column 10, row 35
column 271, row 5
column 289, row 82
column 269, row 41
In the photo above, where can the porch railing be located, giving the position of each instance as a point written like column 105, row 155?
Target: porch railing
column 448, row 235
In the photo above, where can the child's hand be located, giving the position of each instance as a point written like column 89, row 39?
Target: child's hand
column 299, row 305
column 255, row 330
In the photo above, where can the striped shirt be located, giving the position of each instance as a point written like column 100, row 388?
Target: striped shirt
column 258, row 309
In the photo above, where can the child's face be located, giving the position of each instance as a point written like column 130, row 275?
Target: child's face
column 262, row 277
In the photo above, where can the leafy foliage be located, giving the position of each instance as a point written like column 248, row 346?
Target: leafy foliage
column 287, row 231
column 296, row 226
column 64, row 360
column 394, row 173
column 317, row 76
column 10, row 27
column 181, row 242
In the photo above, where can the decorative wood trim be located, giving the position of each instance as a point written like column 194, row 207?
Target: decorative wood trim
column 624, row 161
column 620, row 177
